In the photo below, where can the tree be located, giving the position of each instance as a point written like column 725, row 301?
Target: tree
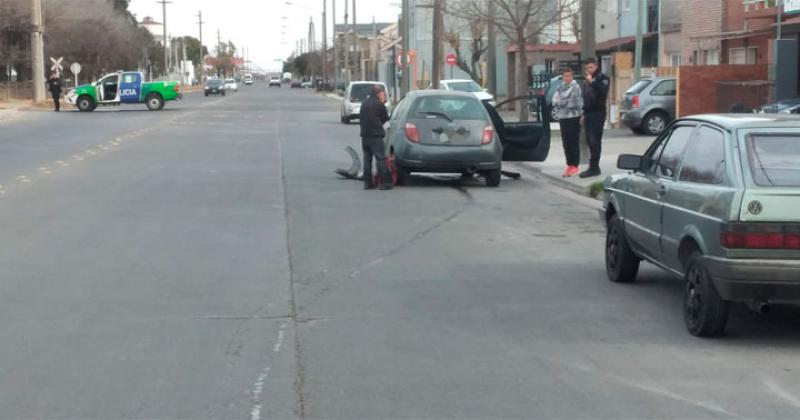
column 476, row 25
column 522, row 22
column 15, row 38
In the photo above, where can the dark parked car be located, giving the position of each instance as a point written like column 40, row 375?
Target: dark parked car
column 714, row 201
column 649, row 105
column 214, row 87
column 453, row 132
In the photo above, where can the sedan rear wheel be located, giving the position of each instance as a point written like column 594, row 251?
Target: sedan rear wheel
column 704, row 311
column 655, row 122
column 155, row 102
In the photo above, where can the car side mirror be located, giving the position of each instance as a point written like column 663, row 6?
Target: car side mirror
column 629, row 162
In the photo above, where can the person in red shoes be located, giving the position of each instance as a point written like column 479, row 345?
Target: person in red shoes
column 568, row 104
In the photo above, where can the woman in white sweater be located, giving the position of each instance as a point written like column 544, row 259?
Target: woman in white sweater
column 568, row 104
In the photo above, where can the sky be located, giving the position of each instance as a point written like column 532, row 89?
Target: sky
column 268, row 28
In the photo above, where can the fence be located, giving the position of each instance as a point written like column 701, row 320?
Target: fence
column 16, row 90
column 742, row 96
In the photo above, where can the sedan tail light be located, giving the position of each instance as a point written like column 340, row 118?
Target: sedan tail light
column 760, row 236
column 636, row 102
column 488, row 134
column 412, row 132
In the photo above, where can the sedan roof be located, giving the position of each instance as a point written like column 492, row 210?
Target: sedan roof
column 740, row 121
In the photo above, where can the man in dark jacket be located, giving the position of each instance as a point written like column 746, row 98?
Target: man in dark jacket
column 371, row 118
column 595, row 94
column 54, row 86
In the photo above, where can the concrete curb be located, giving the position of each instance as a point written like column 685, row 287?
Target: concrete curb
column 555, row 180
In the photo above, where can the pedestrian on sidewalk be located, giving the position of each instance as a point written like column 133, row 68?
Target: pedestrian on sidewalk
column 371, row 118
column 595, row 94
column 54, row 86
column 568, row 102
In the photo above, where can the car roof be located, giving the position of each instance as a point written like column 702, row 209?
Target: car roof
column 658, row 79
column 456, row 81
column 367, row 82
column 745, row 121
column 431, row 92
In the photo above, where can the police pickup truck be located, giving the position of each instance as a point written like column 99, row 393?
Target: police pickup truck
column 123, row 87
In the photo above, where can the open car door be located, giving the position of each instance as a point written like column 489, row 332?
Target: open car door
column 522, row 141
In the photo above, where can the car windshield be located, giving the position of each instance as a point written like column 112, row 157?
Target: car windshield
column 639, row 87
column 781, row 105
column 449, row 107
column 230, row 81
column 360, row 92
column 214, row 83
column 774, row 160
column 467, row 86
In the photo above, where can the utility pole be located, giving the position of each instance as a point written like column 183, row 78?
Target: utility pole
column 492, row 50
column 406, row 80
column 37, row 51
column 588, row 29
column 219, row 51
column 346, row 45
column 202, row 56
column 438, row 57
column 324, row 55
column 637, row 59
column 356, row 65
column 164, row 4
column 335, row 49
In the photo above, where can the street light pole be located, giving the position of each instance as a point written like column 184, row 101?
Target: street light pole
column 164, row 4
column 406, row 80
column 324, row 55
column 492, row 50
column 356, row 66
column 436, row 66
column 202, row 56
column 335, row 49
column 37, row 51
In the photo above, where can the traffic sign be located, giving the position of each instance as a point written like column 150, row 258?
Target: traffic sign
column 399, row 59
column 56, row 67
column 451, row 59
column 75, row 68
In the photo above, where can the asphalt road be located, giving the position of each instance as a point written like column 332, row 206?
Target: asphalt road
column 205, row 262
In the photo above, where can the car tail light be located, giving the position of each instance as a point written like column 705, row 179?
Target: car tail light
column 760, row 236
column 488, row 134
column 636, row 102
column 412, row 132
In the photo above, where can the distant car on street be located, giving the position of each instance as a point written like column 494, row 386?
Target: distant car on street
column 308, row 84
column 354, row 95
column 214, row 87
column 296, row 84
column 469, row 86
column 714, row 201
column 274, row 81
column 786, row 106
column 247, row 80
column 649, row 105
column 123, row 87
column 454, row 132
column 231, row 85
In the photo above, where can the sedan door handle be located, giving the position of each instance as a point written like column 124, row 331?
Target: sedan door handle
column 662, row 190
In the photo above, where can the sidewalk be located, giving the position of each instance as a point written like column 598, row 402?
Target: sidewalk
column 615, row 143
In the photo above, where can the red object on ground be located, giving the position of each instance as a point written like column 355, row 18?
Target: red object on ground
column 376, row 179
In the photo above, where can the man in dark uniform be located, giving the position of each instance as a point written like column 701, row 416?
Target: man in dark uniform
column 54, row 86
column 371, row 118
column 595, row 94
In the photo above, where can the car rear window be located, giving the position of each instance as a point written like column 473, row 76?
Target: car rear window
column 470, row 87
column 640, row 86
column 360, row 92
column 775, row 160
column 213, row 83
column 455, row 108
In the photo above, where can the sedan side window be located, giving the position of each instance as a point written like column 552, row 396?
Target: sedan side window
column 399, row 109
column 705, row 158
column 673, row 152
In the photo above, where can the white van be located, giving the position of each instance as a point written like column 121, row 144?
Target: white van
column 247, row 79
column 356, row 93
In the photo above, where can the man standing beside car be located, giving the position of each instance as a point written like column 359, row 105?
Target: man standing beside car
column 595, row 94
column 372, row 116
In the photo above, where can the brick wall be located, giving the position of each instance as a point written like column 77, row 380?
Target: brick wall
column 700, row 18
column 697, row 87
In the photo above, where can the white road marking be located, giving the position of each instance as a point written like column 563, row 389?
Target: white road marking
column 258, row 386
column 782, row 393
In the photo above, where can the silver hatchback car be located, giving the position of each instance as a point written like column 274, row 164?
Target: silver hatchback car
column 649, row 106
column 714, row 201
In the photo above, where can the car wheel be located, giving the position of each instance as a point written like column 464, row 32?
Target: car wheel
column 345, row 120
column 223, row 93
column 493, row 177
column 403, row 175
column 155, row 102
column 704, row 311
column 85, row 104
column 622, row 265
column 206, row 94
column 655, row 122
